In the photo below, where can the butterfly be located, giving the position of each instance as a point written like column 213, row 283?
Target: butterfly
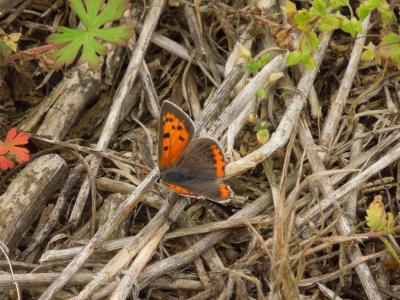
column 189, row 166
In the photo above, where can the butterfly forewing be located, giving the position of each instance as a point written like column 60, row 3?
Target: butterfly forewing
column 176, row 131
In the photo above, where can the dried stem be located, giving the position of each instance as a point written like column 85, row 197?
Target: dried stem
column 332, row 120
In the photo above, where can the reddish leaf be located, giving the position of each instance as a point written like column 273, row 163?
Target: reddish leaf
column 5, row 163
column 9, row 150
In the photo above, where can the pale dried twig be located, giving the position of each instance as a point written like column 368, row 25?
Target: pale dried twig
column 333, row 118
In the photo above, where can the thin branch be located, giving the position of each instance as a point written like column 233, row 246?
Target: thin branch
column 332, row 120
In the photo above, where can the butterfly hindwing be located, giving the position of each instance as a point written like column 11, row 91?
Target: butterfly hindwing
column 178, row 189
column 216, row 191
column 176, row 131
column 219, row 192
column 204, row 157
column 197, row 171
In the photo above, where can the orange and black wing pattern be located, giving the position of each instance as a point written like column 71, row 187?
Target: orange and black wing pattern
column 204, row 158
column 176, row 132
column 219, row 192
column 178, row 189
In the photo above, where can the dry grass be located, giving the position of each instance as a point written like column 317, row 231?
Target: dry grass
column 296, row 226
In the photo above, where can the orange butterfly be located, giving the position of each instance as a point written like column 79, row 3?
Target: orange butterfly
column 190, row 167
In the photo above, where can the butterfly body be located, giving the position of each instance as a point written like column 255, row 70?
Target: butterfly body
column 190, row 166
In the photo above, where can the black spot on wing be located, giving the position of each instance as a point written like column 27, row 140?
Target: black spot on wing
column 167, row 135
column 181, row 138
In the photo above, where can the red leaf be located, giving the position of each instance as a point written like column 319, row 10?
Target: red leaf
column 5, row 163
column 9, row 150
column 16, row 139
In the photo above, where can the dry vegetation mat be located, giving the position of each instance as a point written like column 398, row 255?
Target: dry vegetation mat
column 302, row 97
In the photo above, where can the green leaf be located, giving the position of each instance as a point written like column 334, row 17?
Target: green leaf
column 293, row 58
column 117, row 35
column 390, row 223
column 78, row 7
column 65, row 35
column 319, row 8
column 263, row 136
column 390, row 47
column 261, row 126
column 367, row 55
column 312, row 36
column 362, row 12
column 372, row 4
column 67, row 54
column 369, row 52
column 8, row 43
column 93, row 8
column 88, row 39
column 302, row 20
column 328, row 23
column 338, row 3
column 290, row 8
column 308, row 61
column 308, row 42
column 5, row 50
column 261, row 92
column 352, row 26
column 91, row 50
column 257, row 64
column 376, row 215
column 366, row 7
column 387, row 15
column 114, row 8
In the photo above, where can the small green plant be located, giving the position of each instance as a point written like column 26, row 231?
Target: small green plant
column 386, row 14
column 378, row 220
column 8, row 43
column 262, row 93
column 319, row 16
column 388, row 49
column 262, row 132
column 256, row 64
column 93, row 17
column 322, row 16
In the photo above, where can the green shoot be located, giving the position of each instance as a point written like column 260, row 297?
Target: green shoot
column 8, row 43
column 380, row 221
column 256, row 65
column 262, row 132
